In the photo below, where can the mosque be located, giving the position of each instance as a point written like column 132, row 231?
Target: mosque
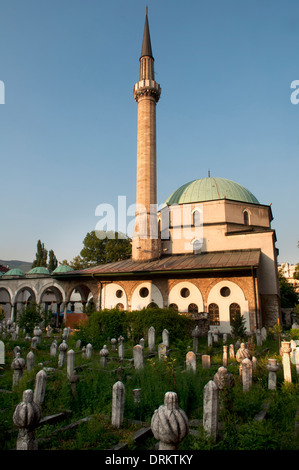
column 209, row 252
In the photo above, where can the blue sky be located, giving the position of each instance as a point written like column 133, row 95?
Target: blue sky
column 69, row 123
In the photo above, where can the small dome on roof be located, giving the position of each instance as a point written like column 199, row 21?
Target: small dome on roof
column 14, row 272
column 63, row 268
column 210, row 189
column 39, row 270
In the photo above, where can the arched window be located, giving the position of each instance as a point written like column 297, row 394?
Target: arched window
column 120, row 306
column 234, row 310
column 152, row 305
column 192, row 308
column 246, row 218
column 196, row 218
column 197, row 244
column 214, row 314
column 174, row 307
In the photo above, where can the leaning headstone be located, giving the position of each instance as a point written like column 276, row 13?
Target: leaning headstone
column 286, row 361
column 26, row 417
column 272, row 367
column 40, row 387
column 2, row 353
column 206, row 361
column 118, row 402
column 169, row 423
column 138, row 357
column 17, row 365
column 30, row 359
column 165, row 337
column 191, row 361
column 151, row 339
column 211, row 409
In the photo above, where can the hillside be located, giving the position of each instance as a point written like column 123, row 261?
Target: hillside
column 12, row 264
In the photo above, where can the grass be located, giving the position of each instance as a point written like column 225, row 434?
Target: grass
column 239, row 430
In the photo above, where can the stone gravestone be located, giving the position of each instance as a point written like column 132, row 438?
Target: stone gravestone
column 272, row 367
column 2, row 353
column 30, row 361
column 211, row 409
column 165, row 337
column 138, row 357
column 162, row 351
column 206, row 361
column 191, row 361
column 118, row 403
column 151, row 339
column 286, row 361
column 40, row 387
column 26, row 417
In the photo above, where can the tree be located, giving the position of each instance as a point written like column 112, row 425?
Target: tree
column 105, row 247
column 238, row 325
column 41, row 256
column 53, row 263
column 296, row 273
column 288, row 296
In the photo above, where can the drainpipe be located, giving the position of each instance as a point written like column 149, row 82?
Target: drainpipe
column 257, row 320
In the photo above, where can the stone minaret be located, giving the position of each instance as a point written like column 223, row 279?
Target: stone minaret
column 146, row 243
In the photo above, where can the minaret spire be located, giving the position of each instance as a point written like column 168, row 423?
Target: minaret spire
column 145, row 242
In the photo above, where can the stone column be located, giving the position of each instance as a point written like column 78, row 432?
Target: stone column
column 118, row 402
column 26, row 417
column 272, row 367
column 225, row 356
column 169, row 423
column 286, row 361
column 195, row 335
column 211, row 409
column 246, row 374
column 40, row 387
column 70, row 366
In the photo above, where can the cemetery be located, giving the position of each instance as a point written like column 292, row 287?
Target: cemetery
column 148, row 380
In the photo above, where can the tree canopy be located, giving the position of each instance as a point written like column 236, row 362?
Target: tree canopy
column 105, row 247
column 41, row 258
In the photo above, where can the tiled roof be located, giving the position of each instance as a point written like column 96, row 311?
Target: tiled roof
column 188, row 262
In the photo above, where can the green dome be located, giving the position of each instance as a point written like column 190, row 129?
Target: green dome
column 63, row 268
column 210, row 189
column 39, row 270
column 14, row 272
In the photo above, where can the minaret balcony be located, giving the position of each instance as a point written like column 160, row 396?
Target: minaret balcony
column 147, row 87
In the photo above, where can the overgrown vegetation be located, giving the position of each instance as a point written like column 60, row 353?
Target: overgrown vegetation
column 239, row 430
